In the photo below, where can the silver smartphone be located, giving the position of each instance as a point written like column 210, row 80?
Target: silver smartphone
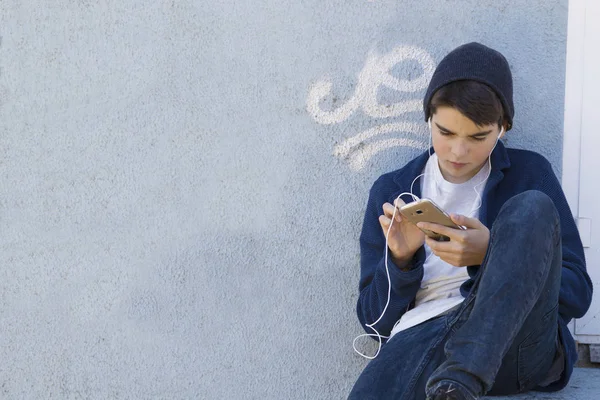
column 426, row 210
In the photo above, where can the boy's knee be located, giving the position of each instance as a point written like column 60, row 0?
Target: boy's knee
column 532, row 211
column 531, row 205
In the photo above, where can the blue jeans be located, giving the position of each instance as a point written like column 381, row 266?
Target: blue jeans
column 503, row 338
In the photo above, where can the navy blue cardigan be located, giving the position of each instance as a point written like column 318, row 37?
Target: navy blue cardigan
column 513, row 172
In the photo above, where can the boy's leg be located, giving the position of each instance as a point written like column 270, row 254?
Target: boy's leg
column 512, row 306
column 404, row 364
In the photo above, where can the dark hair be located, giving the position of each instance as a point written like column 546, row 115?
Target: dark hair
column 475, row 100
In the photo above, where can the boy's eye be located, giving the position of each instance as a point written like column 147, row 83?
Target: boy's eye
column 476, row 138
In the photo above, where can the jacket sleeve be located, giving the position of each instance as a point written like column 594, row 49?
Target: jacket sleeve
column 576, row 286
column 374, row 285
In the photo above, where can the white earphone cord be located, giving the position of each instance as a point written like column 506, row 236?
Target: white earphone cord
column 387, row 271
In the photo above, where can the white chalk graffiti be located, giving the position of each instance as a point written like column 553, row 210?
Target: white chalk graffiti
column 374, row 75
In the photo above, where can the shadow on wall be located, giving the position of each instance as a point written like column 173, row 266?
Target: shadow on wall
column 376, row 75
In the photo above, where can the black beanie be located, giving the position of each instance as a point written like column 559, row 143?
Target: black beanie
column 476, row 62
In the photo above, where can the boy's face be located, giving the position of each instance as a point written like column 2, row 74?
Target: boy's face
column 462, row 146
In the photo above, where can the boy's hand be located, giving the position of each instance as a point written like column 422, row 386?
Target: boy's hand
column 466, row 247
column 404, row 237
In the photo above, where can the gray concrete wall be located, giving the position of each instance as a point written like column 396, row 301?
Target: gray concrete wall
column 183, row 182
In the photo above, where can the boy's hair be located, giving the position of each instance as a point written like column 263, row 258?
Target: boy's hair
column 475, row 100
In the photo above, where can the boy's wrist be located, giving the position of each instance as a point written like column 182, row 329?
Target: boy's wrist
column 402, row 263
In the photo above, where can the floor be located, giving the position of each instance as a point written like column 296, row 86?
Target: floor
column 584, row 385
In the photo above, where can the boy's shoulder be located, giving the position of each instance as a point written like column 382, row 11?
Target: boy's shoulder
column 523, row 154
column 527, row 160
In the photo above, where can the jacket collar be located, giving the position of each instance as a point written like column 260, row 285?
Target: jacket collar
column 500, row 161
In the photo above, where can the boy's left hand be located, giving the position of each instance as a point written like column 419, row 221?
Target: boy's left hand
column 466, row 247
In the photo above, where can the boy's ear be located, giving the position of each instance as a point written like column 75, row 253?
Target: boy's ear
column 505, row 128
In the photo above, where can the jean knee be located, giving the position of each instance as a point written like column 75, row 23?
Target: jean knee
column 532, row 209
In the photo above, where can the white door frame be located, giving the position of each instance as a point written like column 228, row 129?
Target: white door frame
column 574, row 106
column 573, row 103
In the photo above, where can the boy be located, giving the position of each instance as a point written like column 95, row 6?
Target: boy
column 487, row 311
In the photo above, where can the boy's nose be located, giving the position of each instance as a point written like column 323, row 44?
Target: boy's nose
column 460, row 150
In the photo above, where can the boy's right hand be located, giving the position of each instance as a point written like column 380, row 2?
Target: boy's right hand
column 404, row 238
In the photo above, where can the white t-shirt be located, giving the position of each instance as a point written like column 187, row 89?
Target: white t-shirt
column 440, row 287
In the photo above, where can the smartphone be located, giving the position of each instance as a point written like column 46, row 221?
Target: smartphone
column 426, row 210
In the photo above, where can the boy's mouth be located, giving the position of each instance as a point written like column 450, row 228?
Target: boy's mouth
column 457, row 165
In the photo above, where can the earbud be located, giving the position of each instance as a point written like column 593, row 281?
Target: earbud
column 430, row 134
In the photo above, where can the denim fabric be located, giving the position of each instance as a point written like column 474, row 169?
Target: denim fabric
column 502, row 339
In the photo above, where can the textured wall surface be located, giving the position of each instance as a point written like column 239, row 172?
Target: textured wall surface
column 183, row 182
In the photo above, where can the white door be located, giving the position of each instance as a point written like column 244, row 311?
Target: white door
column 581, row 151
